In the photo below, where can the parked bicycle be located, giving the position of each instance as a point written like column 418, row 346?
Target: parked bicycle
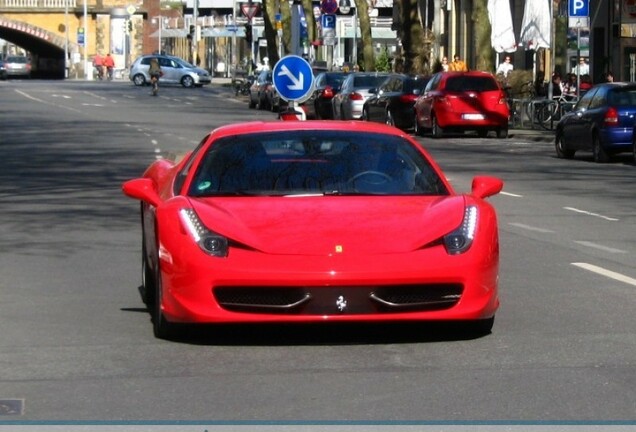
column 242, row 85
column 547, row 114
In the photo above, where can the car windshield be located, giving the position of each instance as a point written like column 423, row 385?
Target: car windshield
column 368, row 80
column 315, row 163
column 183, row 63
column 465, row 83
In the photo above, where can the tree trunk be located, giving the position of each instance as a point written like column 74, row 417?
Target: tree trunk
column 269, row 20
column 367, row 59
column 484, row 57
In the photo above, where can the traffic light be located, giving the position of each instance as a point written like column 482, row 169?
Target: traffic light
column 129, row 26
column 248, row 33
column 190, row 35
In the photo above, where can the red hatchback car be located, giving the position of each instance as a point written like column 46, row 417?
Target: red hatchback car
column 462, row 101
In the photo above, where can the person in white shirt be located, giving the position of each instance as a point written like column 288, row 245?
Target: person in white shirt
column 505, row 67
column 582, row 68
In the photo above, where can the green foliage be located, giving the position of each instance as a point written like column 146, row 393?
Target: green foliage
column 383, row 61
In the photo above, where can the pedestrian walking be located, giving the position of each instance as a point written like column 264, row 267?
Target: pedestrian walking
column 98, row 64
column 458, row 65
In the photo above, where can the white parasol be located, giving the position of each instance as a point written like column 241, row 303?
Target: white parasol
column 502, row 35
column 536, row 25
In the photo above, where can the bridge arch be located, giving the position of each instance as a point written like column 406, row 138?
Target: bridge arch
column 46, row 48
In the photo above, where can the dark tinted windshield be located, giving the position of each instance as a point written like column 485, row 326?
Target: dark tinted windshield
column 311, row 162
column 369, row 81
column 622, row 97
column 464, row 83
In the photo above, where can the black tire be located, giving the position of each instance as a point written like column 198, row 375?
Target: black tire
column 417, row 129
column 598, row 152
column 251, row 104
column 438, row 132
column 388, row 118
column 187, row 81
column 162, row 329
column 365, row 114
column 147, row 289
column 483, row 326
column 139, row 80
column 559, row 146
column 502, row 133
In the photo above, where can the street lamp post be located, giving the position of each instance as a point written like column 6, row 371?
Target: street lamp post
column 159, row 21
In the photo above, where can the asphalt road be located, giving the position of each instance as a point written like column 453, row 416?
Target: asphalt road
column 76, row 341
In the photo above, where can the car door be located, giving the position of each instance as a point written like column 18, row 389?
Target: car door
column 576, row 126
column 376, row 104
column 170, row 70
column 424, row 104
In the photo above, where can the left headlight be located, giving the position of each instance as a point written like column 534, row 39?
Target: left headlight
column 211, row 242
column 460, row 240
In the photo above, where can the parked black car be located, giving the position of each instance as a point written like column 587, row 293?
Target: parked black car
column 392, row 102
column 327, row 84
column 258, row 90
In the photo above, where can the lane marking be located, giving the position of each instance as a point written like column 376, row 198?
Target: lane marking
column 607, row 273
column 600, row 247
column 530, row 227
column 590, row 214
column 45, row 102
column 511, row 194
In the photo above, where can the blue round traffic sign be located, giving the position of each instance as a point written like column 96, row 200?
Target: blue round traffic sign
column 293, row 78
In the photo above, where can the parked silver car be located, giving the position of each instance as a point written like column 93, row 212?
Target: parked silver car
column 175, row 71
column 348, row 102
column 15, row 65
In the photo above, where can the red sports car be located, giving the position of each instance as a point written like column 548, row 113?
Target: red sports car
column 462, row 101
column 314, row 221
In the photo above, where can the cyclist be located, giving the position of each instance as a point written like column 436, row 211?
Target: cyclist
column 155, row 73
column 109, row 64
column 98, row 63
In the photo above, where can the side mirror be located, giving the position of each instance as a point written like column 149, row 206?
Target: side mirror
column 142, row 189
column 485, row 186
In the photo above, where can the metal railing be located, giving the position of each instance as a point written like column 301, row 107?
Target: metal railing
column 37, row 4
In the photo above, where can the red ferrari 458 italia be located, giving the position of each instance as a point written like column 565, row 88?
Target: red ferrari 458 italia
column 314, row 221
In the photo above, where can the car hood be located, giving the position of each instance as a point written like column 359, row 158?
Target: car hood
column 318, row 225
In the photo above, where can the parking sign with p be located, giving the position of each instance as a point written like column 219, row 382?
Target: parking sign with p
column 579, row 8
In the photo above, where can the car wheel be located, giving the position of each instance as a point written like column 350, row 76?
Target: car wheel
column 417, row 130
column 342, row 113
column 365, row 114
column 162, row 329
column 139, row 80
column 251, row 103
column 388, row 118
column 187, row 81
column 559, row 146
column 147, row 288
column 482, row 326
column 598, row 152
column 502, row 133
column 437, row 130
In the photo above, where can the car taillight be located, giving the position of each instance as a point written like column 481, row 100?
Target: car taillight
column 327, row 92
column 408, row 98
column 355, row 96
column 611, row 117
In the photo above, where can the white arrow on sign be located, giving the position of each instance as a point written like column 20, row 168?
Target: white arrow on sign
column 298, row 82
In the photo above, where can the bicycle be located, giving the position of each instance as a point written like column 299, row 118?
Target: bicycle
column 154, row 82
column 551, row 111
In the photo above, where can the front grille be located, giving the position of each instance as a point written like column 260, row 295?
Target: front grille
column 348, row 300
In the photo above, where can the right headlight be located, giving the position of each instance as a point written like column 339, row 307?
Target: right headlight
column 460, row 240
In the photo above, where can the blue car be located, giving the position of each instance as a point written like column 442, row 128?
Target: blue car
column 601, row 122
